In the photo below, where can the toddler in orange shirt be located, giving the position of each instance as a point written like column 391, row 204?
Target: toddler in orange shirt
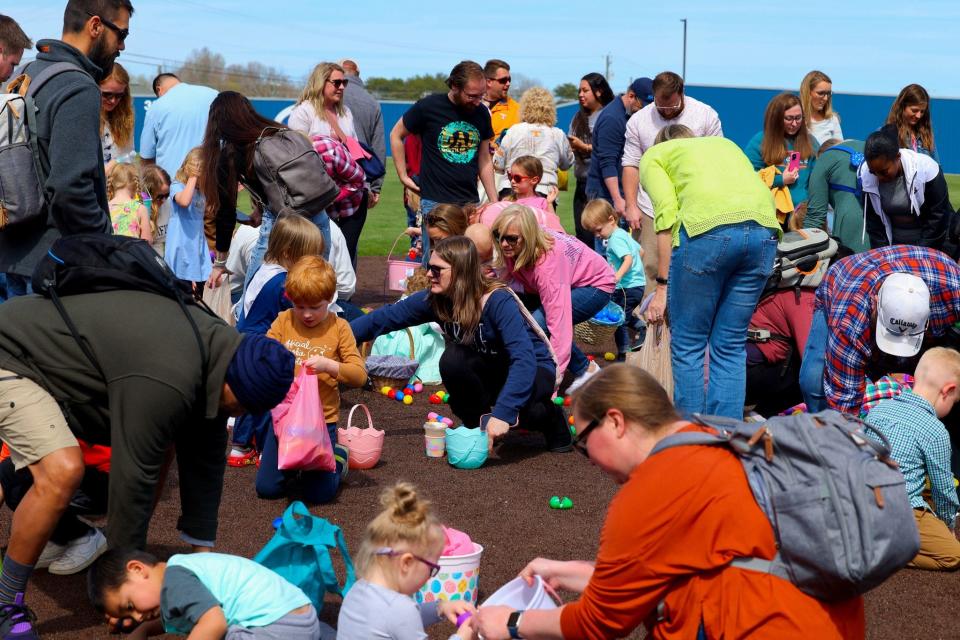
column 323, row 342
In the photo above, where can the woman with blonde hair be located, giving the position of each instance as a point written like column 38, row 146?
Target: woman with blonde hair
column 320, row 109
column 536, row 135
column 784, row 134
column 680, row 516
column 816, row 99
column 116, row 116
column 573, row 281
column 909, row 121
column 497, row 362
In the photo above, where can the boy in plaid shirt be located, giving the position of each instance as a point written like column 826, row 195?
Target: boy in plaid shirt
column 921, row 446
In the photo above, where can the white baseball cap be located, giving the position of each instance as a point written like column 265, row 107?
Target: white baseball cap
column 903, row 310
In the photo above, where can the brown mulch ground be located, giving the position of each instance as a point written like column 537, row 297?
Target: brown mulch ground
column 503, row 506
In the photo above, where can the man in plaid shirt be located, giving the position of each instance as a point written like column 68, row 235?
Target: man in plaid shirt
column 848, row 321
column 921, row 446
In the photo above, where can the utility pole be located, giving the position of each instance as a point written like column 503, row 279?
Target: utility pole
column 684, row 74
column 606, row 73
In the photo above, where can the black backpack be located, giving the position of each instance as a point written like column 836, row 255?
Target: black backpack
column 94, row 262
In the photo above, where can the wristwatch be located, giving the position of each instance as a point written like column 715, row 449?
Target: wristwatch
column 513, row 624
column 661, row 280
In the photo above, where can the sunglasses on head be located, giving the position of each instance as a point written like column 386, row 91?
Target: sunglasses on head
column 121, row 33
column 509, row 239
column 387, row 551
column 339, row 83
column 516, row 177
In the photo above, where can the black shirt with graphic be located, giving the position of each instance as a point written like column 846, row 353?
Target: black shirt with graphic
column 451, row 138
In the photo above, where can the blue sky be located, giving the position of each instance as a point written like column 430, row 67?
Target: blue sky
column 866, row 47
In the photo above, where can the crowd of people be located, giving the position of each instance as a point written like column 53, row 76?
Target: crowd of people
column 674, row 224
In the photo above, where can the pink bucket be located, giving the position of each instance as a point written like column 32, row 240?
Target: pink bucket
column 365, row 445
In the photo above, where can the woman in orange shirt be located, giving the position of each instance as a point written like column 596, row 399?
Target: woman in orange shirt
column 671, row 531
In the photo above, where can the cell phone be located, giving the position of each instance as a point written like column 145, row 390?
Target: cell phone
column 758, row 335
column 793, row 161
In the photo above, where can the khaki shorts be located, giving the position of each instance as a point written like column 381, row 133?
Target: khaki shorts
column 31, row 423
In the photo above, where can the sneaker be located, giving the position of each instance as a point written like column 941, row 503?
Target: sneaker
column 80, row 554
column 50, row 553
column 16, row 621
column 591, row 371
column 238, row 458
column 342, row 454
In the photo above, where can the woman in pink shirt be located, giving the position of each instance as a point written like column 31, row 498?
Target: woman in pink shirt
column 573, row 282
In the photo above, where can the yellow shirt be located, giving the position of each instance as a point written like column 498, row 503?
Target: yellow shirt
column 333, row 339
column 503, row 115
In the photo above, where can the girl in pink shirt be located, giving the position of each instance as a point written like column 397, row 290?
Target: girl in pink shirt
column 525, row 174
column 573, row 282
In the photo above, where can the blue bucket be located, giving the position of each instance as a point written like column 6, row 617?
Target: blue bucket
column 466, row 448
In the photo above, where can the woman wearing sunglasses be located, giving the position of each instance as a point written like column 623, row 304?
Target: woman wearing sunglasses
column 496, row 360
column 116, row 116
column 786, row 144
column 320, row 109
column 670, row 533
column 573, row 281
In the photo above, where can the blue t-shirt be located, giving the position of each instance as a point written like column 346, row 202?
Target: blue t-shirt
column 187, row 252
column 620, row 245
column 250, row 595
column 175, row 124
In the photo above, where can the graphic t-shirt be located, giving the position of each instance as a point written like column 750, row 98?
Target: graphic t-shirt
column 451, row 139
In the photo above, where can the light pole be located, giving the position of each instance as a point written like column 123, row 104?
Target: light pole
column 684, row 74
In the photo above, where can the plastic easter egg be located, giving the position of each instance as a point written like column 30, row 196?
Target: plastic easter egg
column 609, row 357
column 407, row 399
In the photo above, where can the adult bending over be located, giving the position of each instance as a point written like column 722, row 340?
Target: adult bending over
column 906, row 200
column 670, row 533
column 717, row 238
column 496, row 359
column 233, row 129
column 573, row 282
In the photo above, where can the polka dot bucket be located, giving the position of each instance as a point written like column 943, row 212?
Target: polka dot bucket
column 458, row 579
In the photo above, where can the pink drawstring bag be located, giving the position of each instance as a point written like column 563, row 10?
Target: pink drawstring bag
column 303, row 441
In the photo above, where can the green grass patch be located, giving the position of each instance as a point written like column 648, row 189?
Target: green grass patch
column 388, row 219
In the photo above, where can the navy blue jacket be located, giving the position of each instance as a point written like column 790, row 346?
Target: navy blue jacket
column 268, row 304
column 502, row 330
column 609, row 136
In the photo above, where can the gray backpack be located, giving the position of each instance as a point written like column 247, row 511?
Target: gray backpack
column 21, row 174
column 293, row 176
column 803, row 258
column 836, row 501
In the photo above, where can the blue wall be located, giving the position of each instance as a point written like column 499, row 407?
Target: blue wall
column 741, row 112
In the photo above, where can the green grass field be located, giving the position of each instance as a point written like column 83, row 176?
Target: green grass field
column 388, row 219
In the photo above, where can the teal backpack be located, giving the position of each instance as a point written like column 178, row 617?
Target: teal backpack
column 300, row 552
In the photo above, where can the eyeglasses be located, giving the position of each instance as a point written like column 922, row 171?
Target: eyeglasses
column 675, row 107
column 121, row 33
column 516, row 177
column 110, row 95
column 580, row 440
column 793, row 118
column 435, row 270
column 506, row 80
column 387, row 551
column 823, row 94
column 341, row 82
column 472, row 96
column 161, row 197
column 509, row 239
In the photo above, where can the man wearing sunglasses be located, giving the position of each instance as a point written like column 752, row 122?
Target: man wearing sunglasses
column 68, row 133
column 504, row 110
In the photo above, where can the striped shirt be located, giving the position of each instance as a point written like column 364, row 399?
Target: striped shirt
column 921, row 446
column 848, row 294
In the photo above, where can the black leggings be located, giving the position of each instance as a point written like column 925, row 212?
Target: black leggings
column 475, row 380
column 352, row 226
column 580, row 200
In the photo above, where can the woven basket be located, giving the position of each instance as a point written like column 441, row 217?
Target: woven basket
column 595, row 331
column 384, row 381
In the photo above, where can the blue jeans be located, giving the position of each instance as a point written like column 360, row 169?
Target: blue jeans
column 813, row 364
column 629, row 298
column 322, row 220
column 317, row 487
column 716, row 279
column 250, row 429
column 585, row 303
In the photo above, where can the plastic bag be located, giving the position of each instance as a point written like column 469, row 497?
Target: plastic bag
column 303, row 441
column 219, row 301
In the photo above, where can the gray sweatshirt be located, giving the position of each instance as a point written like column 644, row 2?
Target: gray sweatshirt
column 68, row 131
column 368, row 120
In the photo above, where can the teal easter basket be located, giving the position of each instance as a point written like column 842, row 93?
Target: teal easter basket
column 466, row 448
